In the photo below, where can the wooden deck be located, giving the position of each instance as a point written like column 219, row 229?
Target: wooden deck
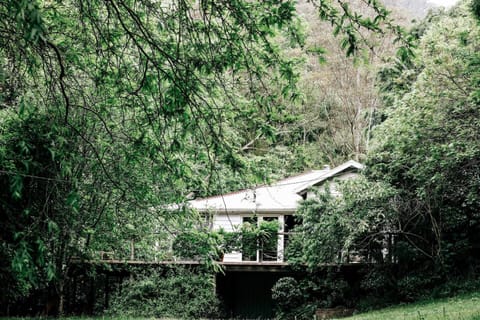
column 243, row 266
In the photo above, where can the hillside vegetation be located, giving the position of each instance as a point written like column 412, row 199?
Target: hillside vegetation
column 415, row 212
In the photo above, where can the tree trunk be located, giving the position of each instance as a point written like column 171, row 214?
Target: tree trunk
column 61, row 298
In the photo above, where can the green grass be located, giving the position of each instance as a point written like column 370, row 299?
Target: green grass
column 83, row 318
column 464, row 307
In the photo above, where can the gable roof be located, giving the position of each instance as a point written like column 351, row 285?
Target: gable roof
column 349, row 165
column 281, row 196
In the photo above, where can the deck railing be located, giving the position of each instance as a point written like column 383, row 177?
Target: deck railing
column 269, row 255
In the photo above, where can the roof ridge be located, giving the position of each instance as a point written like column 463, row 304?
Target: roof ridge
column 296, row 176
column 330, row 173
column 277, row 183
column 222, row 195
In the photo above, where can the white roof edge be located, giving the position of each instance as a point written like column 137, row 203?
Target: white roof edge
column 331, row 173
column 244, row 211
column 280, row 183
column 280, row 197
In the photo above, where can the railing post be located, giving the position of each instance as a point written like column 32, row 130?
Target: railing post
column 132, row 250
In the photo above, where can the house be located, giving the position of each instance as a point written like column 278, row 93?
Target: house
column 245, row 286
column 275, row 202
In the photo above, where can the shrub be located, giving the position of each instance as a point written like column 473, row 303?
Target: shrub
column 379, row 288
column 286, row 293
column 176, row 293
column 291, row 300
column 300, row 299
column 331, row 290
column 197, row 245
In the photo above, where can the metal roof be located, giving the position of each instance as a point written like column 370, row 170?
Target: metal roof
column 281, row 196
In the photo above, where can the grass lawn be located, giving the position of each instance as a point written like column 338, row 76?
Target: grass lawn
column 464, row 307
column 84, row 318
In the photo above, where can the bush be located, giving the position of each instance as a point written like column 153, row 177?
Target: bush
column 379, row 288
column 300, row 299
column 456, row 286
column 176, row 293
column 291, row 300
column 286, row 293
column 332, row 290
column 197, row 245
column 418, row 285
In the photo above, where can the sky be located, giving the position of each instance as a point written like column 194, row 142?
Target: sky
column 445, row 3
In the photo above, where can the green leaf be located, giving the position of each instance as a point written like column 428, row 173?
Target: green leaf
column 16, row 186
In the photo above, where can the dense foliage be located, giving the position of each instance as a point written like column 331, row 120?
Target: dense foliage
column 355, row 224
column 112, row 110
column 289, row 297
column 415, row 211
column 425, row 155
column 428, row 148
column 175, row 293
column 300, row 298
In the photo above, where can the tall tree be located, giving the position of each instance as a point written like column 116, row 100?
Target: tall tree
column 419, row 199
column 428, row 147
